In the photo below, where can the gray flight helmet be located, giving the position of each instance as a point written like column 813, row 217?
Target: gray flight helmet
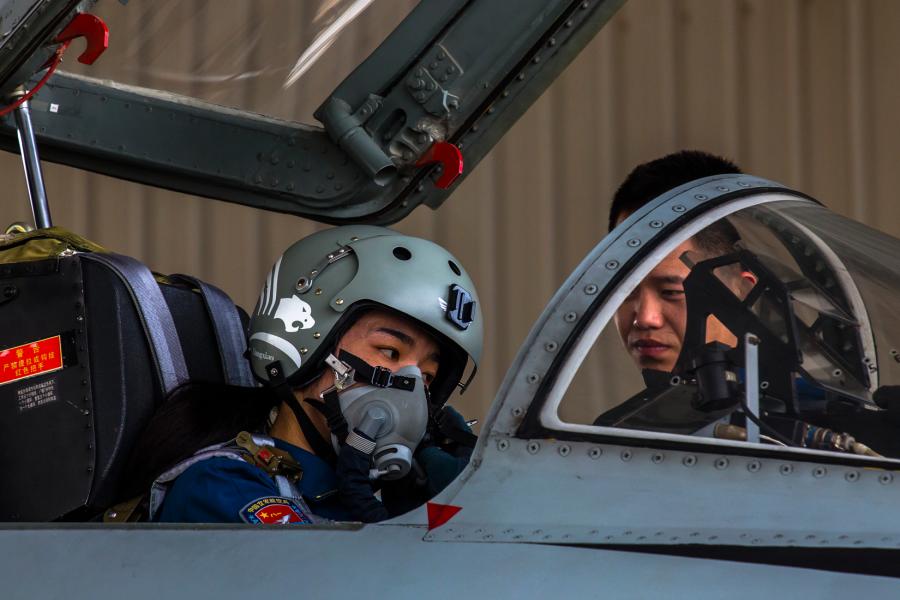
column 321, row 284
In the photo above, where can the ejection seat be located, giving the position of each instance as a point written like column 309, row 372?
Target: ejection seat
column 91, row 343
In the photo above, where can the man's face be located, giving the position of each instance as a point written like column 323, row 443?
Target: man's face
column 652, row 318
column 388, row 340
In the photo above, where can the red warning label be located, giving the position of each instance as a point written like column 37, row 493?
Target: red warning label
column 29, row 360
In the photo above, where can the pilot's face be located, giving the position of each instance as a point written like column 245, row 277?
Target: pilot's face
column 379, row 337
column 385, row 339
column 651, row 320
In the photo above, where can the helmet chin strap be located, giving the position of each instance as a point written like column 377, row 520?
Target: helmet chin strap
column 322, row 448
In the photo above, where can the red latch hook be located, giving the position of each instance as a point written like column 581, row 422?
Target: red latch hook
column 82, row 25
column 450, row 158
column 93, row 29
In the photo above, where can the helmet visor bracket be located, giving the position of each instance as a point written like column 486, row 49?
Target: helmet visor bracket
column 304, row 284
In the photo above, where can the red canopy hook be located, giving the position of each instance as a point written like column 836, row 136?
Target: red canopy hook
column 450, row 158
column 93, row 29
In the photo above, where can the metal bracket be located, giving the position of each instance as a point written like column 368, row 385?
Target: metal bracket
column 346, row 129
column 304, row 283
column 343, row 373
column 429, row 82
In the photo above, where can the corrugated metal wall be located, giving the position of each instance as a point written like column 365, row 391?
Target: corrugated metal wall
column 800, row 91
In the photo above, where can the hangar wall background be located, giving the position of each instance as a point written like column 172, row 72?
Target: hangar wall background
column 799, row 91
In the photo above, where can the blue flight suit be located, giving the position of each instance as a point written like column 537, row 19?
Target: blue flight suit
column 225, row 490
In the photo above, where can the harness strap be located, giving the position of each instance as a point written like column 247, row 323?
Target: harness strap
column 274, row 461
column 320, row 445
column 154, row 314
column 229, row 331
column 160, row 486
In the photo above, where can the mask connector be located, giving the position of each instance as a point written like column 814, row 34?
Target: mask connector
column 344, row 374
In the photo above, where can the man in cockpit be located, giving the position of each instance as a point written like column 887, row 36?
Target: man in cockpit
column 651, row 320
column 652, row 323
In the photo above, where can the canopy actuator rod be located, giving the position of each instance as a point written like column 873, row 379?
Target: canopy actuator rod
column 31, row 162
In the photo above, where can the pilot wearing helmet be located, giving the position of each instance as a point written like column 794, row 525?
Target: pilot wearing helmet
column 359, row 337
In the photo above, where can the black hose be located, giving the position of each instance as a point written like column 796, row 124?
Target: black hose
column 770, row 431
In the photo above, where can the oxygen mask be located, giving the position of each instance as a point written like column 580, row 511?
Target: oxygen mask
column 389, row 410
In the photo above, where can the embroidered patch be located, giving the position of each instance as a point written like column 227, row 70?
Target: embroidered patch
column 274, row 510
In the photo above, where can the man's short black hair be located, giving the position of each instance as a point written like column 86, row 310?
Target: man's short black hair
column 649, row 180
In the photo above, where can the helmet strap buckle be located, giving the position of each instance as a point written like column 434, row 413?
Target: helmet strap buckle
column 344, row 374
column 376, row 375
column 381, row 377
column 361, row 371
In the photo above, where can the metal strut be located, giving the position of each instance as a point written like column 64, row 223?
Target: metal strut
column 751, row 383
column 31, row 162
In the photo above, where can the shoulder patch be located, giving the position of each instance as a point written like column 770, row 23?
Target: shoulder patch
column 274, row 510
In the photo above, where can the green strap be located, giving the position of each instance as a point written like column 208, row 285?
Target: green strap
column 43, row 243
column 270, row 459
